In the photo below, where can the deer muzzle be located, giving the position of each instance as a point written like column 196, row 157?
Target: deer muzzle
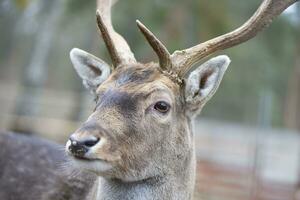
column 79, row 147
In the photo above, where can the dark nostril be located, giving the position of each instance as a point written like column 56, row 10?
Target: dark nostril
column 90, row 143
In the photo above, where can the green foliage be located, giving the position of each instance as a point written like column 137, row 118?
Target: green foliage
column 76, row 7
column 22, row 4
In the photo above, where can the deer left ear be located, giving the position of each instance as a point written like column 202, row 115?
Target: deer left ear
column 92, row 70
column 203, row 82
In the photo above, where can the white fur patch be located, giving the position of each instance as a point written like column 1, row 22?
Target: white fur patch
column 97, row 166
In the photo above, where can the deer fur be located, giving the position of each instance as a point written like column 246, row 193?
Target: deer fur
column 33, row 169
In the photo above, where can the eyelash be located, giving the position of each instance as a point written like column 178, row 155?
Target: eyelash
column 96, row 101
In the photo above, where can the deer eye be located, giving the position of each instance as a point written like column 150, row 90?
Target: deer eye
column 162, row 106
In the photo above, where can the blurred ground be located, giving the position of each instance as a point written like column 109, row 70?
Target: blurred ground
column 239, row 162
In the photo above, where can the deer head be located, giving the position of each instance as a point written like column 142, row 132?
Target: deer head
column 141, row 124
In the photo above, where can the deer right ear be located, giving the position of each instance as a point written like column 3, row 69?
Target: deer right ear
column 203, row 82
column 91, row 69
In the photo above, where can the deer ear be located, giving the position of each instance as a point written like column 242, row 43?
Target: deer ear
column 203, row 82
column 91, row 69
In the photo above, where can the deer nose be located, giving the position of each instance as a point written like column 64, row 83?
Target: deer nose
column 80, row 147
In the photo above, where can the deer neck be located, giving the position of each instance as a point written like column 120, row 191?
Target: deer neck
column 162, row 188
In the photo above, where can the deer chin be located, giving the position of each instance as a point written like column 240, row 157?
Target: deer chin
column 93, row 165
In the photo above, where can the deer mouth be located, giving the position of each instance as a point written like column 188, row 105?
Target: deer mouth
column 94, row 165
column 87, row 159
column 82, row 158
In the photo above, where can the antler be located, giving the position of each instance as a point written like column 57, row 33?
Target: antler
column 161, row 51
column 183, row 60
column 117, row 47
column 180, row 62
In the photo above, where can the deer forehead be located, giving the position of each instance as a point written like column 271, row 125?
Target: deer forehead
column 127, row 85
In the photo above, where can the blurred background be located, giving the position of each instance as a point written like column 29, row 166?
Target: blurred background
column 248, row 136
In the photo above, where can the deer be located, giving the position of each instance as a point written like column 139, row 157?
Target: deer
column 138, row 143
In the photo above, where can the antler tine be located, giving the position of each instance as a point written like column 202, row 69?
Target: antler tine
column 161, row 51
column 268, row 10
column 117, row 46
